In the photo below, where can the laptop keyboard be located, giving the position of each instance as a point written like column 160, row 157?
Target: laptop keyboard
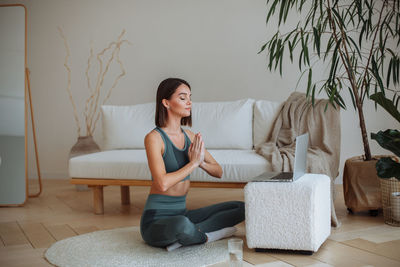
column 283, row 176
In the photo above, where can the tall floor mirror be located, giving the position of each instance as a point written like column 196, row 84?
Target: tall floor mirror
column 13, row 106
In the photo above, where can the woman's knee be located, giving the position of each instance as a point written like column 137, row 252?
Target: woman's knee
column 187, row 233
column 166, row 231
column 240, row 209
column 182, row 223
column 239, row 204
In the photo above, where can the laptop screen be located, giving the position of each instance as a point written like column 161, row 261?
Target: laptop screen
column 300, row 158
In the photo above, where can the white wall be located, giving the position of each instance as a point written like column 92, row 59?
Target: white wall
column 211, row 44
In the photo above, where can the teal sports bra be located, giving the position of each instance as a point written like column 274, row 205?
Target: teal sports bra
column 174, row 158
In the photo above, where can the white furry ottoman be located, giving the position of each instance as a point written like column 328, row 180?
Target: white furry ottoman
column 288, row 215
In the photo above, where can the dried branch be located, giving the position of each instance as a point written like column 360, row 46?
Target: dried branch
column 100, row 83
column 93, row 100
column 115, row 81
column 69, row 81
column 88, row 79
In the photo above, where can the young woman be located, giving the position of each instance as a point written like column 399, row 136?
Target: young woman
column 172, row 155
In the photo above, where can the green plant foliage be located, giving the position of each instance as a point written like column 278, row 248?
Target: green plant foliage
column 387, row 168
column 391, row 106
column 359, row 38
column 390, row 140
column 352, row 66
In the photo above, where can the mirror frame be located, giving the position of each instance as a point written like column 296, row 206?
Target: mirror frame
column 26, row 109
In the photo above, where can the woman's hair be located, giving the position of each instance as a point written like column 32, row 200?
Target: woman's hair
column 166, row 90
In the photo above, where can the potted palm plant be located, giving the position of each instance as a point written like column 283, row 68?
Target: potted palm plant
column 388, row 168
column 360, row 40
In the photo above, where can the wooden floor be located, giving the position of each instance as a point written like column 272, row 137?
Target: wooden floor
column 61, row 211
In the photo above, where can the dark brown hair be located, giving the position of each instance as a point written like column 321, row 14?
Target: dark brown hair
column 165, row 90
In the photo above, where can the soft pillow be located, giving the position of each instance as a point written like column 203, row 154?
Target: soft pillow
column 126, row 126
column 224, row 125
column 265, row 113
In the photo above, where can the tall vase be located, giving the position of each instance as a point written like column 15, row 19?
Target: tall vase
column 84, row 145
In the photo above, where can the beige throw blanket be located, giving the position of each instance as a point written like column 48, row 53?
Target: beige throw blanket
column 296, row 117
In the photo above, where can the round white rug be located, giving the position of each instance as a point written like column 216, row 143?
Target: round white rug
column 125, row 247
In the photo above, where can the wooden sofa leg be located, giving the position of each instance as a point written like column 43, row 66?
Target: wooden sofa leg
column 125, row 196
column 98, row 199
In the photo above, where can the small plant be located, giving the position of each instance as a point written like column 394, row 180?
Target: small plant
column 389, row 139
column 92, row 113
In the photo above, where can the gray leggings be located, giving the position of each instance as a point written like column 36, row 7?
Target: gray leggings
column 165, row 220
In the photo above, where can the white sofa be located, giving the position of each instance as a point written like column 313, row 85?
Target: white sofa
column 231, row 130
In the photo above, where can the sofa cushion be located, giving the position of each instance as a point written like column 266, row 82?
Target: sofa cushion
column 224, row 125
column 111, row 164
column 237, row 165
column 265, row 113
column 126, row 126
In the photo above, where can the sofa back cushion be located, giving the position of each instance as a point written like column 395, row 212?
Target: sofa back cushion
column 265, row 113
column 126, row 126
column 223, row 125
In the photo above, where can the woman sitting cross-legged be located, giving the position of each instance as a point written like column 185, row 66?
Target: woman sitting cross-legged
column 172, row 155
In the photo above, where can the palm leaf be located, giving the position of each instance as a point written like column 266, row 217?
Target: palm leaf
column 387, row 104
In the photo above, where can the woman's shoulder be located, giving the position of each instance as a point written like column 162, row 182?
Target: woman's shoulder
column 152, row 136
column 152, row 132
column 153, row 141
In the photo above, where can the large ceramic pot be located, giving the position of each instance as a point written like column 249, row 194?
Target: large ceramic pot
column 361, row 185
column 84, row 145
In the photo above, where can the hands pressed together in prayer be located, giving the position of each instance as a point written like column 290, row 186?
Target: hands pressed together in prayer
column 196, row 150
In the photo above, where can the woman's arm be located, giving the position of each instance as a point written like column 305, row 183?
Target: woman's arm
column 210, row 165
column 163, row 180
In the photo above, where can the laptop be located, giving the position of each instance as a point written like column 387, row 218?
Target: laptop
column 300, row 163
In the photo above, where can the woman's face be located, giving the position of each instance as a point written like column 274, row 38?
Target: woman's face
column 180, row 101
